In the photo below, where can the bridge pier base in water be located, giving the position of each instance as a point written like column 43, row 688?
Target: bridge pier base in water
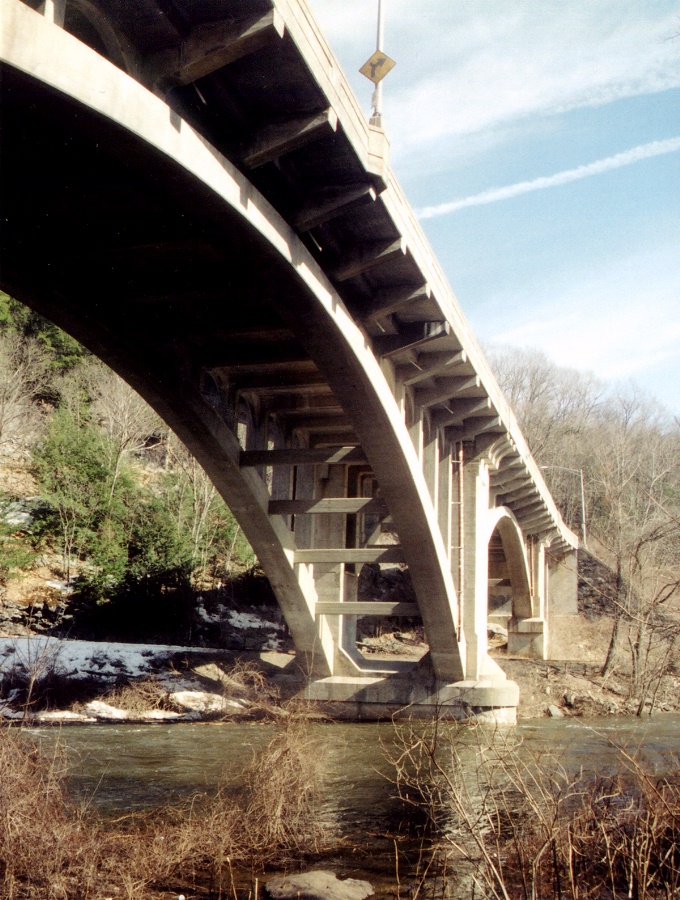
column 407, row 694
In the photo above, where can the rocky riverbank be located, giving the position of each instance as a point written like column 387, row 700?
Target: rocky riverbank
column 48, row 679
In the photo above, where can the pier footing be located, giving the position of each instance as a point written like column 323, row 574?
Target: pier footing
column 368, row 698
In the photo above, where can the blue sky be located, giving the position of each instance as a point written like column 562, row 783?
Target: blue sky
column 539, row 141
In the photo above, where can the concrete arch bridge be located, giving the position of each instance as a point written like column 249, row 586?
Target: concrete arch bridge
column 190, row 188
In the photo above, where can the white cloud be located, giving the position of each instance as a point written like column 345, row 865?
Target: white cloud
column 608, row 164
column 468, row 67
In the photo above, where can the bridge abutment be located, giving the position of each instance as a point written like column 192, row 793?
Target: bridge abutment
column 562, row 603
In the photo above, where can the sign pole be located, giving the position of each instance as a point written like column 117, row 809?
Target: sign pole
column 376, row 101
column 375, row 68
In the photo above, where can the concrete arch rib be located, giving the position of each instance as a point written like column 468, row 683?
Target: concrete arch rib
column 144, row 128
column 502, row 520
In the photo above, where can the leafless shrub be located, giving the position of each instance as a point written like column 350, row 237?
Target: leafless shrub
column 280, row 816
column 138, row 695
column 522, row 827
column 42, row 841
column 23, row 375
column 37, row 678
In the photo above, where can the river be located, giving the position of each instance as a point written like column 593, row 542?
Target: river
column 117, row 768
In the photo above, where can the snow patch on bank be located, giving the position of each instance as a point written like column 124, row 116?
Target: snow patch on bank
column 39, row 654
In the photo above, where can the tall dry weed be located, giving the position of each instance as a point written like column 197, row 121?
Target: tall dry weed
column 520, row 826
column 51, row 850
column 42, row 840
column 273, row 819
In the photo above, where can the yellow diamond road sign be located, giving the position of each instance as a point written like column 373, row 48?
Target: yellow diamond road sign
column 377, row 66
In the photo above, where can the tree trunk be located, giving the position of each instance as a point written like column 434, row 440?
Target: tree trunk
column 617, row 623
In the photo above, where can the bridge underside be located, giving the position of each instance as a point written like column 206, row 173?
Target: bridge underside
column 335, row 443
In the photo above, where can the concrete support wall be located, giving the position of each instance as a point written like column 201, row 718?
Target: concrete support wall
column 475, row 559
column 329, row 531
column 445, row 505
column 562, row 603
column 528, row 635
column 563, row 585
column 431, row 464
column 539, row 578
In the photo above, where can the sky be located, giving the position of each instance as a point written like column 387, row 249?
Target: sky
column 538, row 141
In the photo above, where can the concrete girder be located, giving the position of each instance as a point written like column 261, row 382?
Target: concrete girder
column 336, row 555
column 518, row 484
column 367, row 257
column 472, row 428
column 367, row 608
column 332, row 204
column 458, row 410
column 303, row 456
column 209, row 47
column 277, row 140
column 325, row 505
column 541, row 523
column 495, row 448
column 387, row 302
column 432, row 365
column 507, row 475
column 415, row 338
column 526, row 505
column 447, row 391
column 509, row 498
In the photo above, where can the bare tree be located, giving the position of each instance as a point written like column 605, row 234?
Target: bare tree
column 128, row 421
column 634, row 468
column 553, row 404
column 555, row 407
column 628, row 450
column 23, row 375
column 201, row 514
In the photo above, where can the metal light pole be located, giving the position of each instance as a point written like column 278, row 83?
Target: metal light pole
column 578, row 472
column 375, row 68
column 376, row 100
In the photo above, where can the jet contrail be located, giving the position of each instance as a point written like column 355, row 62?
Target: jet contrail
column 493, row 195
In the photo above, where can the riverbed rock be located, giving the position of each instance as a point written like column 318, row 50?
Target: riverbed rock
column 317, row 885
column 101, row 710
column 204, row 702
column 52, row 716
column 555, row 712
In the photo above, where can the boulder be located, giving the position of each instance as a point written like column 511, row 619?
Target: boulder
column 101, row 710
column 204, row 702
column 317, row 885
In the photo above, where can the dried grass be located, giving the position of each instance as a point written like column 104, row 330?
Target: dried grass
column 522, row 827
column 138, row 696
column 49, row 850
column 42, row 840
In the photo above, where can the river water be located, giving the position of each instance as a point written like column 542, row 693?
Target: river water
column 117, row 768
